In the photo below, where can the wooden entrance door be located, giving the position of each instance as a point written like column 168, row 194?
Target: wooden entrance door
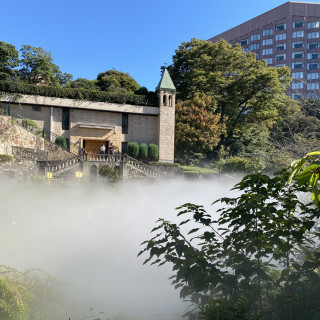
column 93, row 146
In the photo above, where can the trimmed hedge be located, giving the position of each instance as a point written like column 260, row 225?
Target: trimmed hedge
column 143, row 151
column 61, row 141
column 133, row 149
column 153, row 151
column 78, row 94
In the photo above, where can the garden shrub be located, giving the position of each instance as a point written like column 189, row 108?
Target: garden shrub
column 78, row 94
column 61, row 141
column 239, row 164
column 5, row 158
column 110, row 173
column 133, row 149
column 143, row 151
column 153, row 151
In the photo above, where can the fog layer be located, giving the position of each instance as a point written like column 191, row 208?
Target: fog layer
column 88, row 236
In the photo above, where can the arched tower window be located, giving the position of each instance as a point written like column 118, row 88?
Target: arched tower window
column 164, row 100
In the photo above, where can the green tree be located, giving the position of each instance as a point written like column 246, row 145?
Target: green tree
column 244, row 90
column 198, row 127
column 37, row 67
column 116, row 81
column 82, row 83
column 245, row 259
column 9, row 61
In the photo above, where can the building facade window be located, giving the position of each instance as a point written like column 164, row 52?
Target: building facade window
column 313, row 45
column 266, row 52
column 298, row 24
column 297, row 44
column 313, row 55
column 267, row 42
column 312, row 86
column 281, row 36
column 255, row 37
column 297, row 75
column 297, row 85
column 297, row 65
column 125, row 123
column 296, row 96
column 246, row 50
column 313, row 75
column 312, row 66
column 313, row 96
column 281, row 26
column 243, row 42
column 281, row 46
column 257, row 55
column 298, row 34
column 267, row 32
column 280, row 57
column 314, row 24
column 268, row 60
column 65, row 119
column 297, row 55
column 254, row 46
column 36, row 109
column 313, row 35
column 280, row 65
column 124, row 147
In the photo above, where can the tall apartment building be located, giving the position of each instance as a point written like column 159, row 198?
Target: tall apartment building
column 288, row 35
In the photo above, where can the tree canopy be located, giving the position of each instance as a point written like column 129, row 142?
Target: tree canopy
column 9, row 61
column 198, row 127
column 37, row 67
column 114, row 80
column 244, row 90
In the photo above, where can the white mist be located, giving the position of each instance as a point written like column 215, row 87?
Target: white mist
column 88, row 236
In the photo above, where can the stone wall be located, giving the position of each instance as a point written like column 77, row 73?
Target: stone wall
column 12, row 135
column 143, row 129
column 15, row 140
column 26, row 154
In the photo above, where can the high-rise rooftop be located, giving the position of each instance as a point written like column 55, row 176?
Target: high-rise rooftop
column 288, row 35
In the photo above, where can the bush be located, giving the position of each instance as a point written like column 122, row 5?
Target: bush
column 238, row 164
column 110, row 173
column 32, row 126
column 5, row 158
column 142, row 91
column 133, row 149
column 153, row 151
column 78, row 94
column 143, row 151
column 61, row 141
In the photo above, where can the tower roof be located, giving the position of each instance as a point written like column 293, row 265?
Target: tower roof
column 165, row 81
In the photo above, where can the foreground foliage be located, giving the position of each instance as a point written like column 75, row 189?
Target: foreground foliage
column 30, row 295
column 255, row 258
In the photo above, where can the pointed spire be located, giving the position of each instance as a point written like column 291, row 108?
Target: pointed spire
column 165, row 81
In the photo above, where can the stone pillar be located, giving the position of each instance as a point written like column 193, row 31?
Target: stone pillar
column 166, row 125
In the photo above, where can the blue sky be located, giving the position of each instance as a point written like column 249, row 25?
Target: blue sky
column 88, row 37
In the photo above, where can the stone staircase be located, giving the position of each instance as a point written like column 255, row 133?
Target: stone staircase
column 61, row 167
column 47, row 135
column 144, row 169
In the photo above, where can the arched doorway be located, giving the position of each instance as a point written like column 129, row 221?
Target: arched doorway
column 93, row 173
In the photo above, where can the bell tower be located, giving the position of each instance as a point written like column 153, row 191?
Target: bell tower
column 166, row 92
